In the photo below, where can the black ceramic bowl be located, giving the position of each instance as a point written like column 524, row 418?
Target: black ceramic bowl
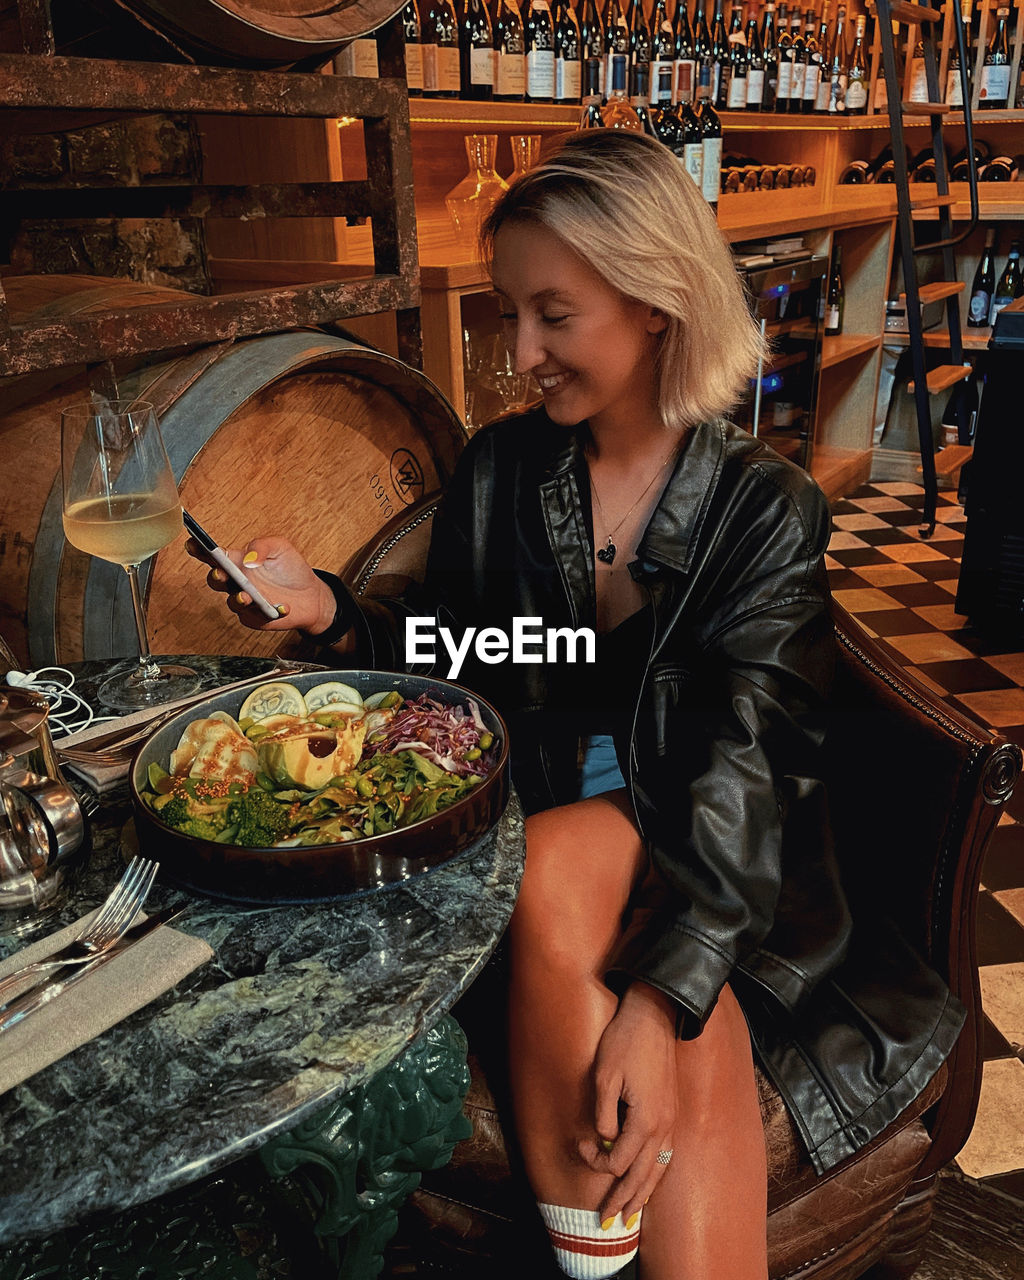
column 319, row 872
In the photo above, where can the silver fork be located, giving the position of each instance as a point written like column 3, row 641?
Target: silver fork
column 114, row 917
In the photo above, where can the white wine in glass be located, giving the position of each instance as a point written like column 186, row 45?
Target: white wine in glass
column 121, row 504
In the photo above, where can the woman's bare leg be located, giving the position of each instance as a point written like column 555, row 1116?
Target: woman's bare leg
column 706, row 1220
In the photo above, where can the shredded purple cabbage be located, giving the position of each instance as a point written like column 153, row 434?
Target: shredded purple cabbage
column 440, row 732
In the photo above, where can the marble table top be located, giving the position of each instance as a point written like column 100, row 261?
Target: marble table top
column 299, row 1003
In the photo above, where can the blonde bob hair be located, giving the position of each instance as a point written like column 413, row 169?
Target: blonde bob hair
column 625, row 205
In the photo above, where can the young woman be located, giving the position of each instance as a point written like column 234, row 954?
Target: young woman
column 680, row 900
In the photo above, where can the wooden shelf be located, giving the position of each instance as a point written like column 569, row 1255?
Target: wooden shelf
column 839, row 471
column 846, row 346
column 938, row 290
column 444, row 113
column 942, row 377
column 971, row 339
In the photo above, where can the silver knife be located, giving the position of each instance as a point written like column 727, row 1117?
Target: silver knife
column 53, row 984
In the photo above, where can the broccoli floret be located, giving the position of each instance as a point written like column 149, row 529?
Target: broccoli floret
column 202, row 817
column 201, row 829
column 260, row 819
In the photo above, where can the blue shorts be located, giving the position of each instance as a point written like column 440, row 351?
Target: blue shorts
column 601, row 770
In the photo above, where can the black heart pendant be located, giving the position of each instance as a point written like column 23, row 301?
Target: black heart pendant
column 607, row 554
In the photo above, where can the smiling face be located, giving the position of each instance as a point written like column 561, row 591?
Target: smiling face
column 590, row 348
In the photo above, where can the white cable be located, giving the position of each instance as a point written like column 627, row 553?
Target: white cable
column 69, row 712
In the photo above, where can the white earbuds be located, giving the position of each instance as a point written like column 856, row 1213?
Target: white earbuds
column 68, row 711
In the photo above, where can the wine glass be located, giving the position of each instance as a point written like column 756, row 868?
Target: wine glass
column 121, row 504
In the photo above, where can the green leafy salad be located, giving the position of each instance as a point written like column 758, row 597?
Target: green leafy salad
column 319, row 768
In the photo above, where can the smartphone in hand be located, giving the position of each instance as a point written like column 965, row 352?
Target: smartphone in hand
column 218, row 555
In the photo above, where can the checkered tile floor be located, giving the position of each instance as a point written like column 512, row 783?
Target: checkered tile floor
column 902, row 590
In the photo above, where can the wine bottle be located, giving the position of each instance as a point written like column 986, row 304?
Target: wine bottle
column 918, row 75
column 983, row 286
column 799, row 62
column 857, row 75
column 358, row 59
column 954, row 85
column 770, row 56
column 821, row 100
column 684, row 65
column 568, row 79
column 413, row 49
column 837, row 66
column 711, row 140
column 509, row 52
column 755, row 67
column 540, row 52
column 732, row 91
column 881, row 100
column 784, row 53
column 616, row 40
column 640, row 96
column 702, row 48
column 692, row 142
column 617, row 112
column 994, row 92
column 1000, row 169
column 442, row 77
column 662, row 48
column 835, row 294
column 1009, row 285
column 639, row 36
column 719, row 52
column 476, row 52
column 592, row 44
column 590, row 116
column 812, row 75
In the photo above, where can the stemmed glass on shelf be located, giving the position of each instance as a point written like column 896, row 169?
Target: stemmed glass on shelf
column 121, row 504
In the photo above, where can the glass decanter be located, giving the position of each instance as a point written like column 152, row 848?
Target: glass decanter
column 475, row 196
column 525, row 153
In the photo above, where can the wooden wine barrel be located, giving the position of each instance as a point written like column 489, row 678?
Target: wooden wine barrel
column 263, row 32
column 30, row 407
column 300, row 433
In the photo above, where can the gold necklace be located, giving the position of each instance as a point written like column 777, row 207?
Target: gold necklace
column 606, row 554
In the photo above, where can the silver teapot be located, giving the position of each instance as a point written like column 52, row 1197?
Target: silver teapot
column 42, row 827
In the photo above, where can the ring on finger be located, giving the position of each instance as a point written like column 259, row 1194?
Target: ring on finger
column 664, row 1157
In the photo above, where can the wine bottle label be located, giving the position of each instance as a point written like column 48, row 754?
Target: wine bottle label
column 881, row 94
column 811, row 81
column 481, row 66
column 684, row 81
column 712, row 175
column 785, row 80
column 954, row 89
column 510, row 79
column 995, row 83
column 414, row 66
column 837, row 93
column 796, row 83
column 856, row 95
column 824, row 91
column 658, row 65
column 358, row 59
column 999, row 303
column 448, row 80
column 567, row 81
column 832, row 317
column 737, row 93
column 540, row 73
column 755, row 87
column 428, row 58
column 919, row 82
column 693, row 158
column 980, row 303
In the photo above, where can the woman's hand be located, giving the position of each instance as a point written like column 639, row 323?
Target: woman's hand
column 282, row 574
column 635, row 1065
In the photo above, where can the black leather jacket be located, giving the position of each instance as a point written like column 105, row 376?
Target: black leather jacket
column 723, row 762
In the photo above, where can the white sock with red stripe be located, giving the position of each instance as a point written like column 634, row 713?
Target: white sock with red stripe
column 582, row 1249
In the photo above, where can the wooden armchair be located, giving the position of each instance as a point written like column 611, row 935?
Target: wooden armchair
column 916, row 790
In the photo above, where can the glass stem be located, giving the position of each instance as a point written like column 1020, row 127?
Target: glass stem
column 148, row 669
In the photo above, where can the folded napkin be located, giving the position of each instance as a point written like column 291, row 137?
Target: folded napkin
column 96, row 1002
column 104, row 778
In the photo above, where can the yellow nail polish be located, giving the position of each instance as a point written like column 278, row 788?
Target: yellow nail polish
column 634, row 1218
column 608, row 1224
column 607, row 1143
column 250, row 557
